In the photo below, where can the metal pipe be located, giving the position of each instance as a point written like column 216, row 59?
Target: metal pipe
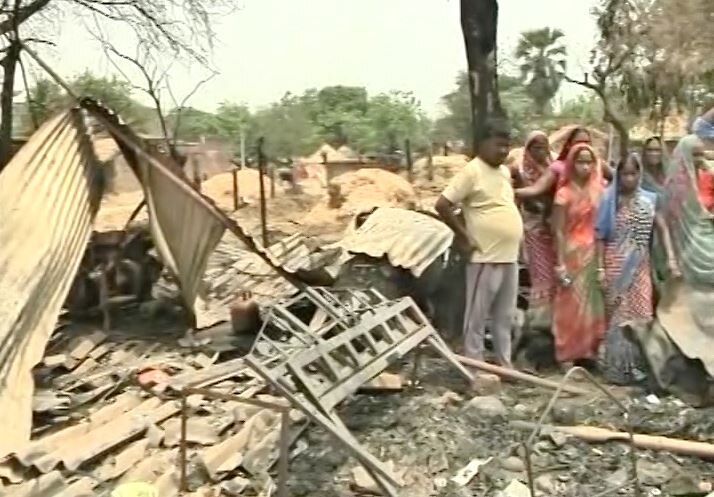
column 184, row 419
column 284, row 446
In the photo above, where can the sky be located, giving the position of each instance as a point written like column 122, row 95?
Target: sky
column 268, row 47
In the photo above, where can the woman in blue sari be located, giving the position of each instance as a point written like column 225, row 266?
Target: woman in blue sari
column 625, row 224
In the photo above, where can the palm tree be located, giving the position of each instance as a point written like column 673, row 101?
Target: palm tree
column 541, row 55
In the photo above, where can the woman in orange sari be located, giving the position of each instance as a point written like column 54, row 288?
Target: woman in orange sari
column 578, row 308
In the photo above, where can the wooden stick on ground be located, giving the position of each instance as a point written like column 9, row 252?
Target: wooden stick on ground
column 517, row 375
column 600, row 435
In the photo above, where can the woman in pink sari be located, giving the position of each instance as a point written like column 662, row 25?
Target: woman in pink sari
column 538, row 241
column 552, row 176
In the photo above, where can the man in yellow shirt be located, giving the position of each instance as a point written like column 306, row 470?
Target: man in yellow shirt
column 491, row 229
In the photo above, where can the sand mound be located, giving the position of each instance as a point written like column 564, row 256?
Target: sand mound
column 444, row 167
column 115, row 210
column 361, row 191
column 370, row 187
column 220, row 187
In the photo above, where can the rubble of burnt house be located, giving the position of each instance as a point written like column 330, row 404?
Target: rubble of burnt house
column 124, row 358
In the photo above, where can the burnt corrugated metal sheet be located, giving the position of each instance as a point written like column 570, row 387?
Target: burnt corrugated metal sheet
column 185, row 224
column 409, row 239
column 184, row 231
column 49, row 196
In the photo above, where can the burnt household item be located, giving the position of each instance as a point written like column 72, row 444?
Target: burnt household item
column 352, row 337
column 245, row 314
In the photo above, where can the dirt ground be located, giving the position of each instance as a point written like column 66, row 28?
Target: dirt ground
column 304, row 209
column 433, row 430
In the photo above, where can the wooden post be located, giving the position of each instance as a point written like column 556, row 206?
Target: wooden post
column 235, row 187
column 272, row 181
column 242, row 161
column 430, row 164
column 261, row 176
column 410, row 164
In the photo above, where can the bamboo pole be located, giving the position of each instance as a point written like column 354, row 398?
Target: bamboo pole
column 652, row 442
column 263, row 207
column 518, row 375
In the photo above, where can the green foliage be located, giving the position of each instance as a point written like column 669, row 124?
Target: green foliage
column 656, row 53
column 390, row 119
column 519, row 107
column 232, row 118
column 541, row 55
column 48, row 98
column 193, row 124
column 293, row 126
column 456, row 122
column 287, row 128
column 340, row 115
column 585, row 109
column 334, row 109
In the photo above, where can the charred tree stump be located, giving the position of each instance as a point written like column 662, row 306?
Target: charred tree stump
column 479, row 21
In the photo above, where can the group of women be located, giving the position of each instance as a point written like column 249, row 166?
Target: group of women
column 597, row 246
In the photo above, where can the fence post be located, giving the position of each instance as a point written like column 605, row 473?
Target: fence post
column 263, row 207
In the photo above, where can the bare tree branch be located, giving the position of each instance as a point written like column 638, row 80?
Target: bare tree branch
column 179, row 108
column 21, row 15
column 608, row 114
column 152, row 89
column 30, row 104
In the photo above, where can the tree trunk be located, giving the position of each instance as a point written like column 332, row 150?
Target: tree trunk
column 479, row 20
column 610, row 117
column 9, row 64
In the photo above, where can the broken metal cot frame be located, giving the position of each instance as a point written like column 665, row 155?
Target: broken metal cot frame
column 284, row 411
column 315, row 369
column 528, row 444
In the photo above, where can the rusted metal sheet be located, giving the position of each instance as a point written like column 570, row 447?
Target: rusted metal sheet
column 232, row 269
column 408, row 239
column 123, row 461
column 48, row 485
column 229, row 454
column 186, row 225
column 49, row 195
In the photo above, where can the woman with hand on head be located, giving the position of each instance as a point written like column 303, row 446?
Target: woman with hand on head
column 625, row 221
column 538, row 241
column 549, row 180
column 578, row 308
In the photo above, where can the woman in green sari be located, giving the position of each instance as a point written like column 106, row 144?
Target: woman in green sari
column 654, row 175
column 680, row 344
column 654, row 172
